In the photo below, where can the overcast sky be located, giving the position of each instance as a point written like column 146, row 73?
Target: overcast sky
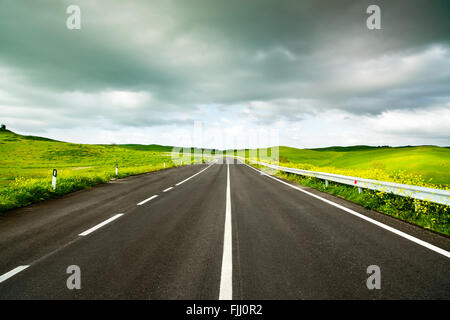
column 310, row 72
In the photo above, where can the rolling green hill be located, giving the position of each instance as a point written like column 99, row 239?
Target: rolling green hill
column 150, row 147
column 428, row 161
column 26, row 164
column 430, row 164
column 35, row 157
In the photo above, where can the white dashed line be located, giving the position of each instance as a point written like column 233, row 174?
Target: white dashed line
column 147, row 200
column 100, row 225
column 168, row 189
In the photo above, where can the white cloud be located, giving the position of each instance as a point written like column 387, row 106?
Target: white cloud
column 114, row 99
column 428, row 124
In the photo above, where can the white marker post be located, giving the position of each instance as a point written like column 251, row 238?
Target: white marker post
column 55, row 173
column 117, row 169
column 164, row 164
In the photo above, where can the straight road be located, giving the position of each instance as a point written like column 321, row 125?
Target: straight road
column 211, row 231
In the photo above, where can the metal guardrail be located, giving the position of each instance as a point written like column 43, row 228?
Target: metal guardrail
column 405, row 190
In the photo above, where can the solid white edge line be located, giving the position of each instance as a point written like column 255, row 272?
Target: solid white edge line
column 85, row 233
column 195, row 174
column 147, row 200
column 168, row 189
column 13, row 272
column 359, row 215
column 226, row 278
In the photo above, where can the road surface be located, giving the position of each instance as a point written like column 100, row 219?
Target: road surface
column 214, row 231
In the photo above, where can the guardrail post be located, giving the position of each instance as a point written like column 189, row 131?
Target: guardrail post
column 359, row 190
column 326, row 183
column 55, row 173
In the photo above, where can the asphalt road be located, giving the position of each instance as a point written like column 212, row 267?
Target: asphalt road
column 225, row 232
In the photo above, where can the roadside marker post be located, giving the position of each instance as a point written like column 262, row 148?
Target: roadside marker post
column 164, row 164
column 359, row 188
column 326, row 183
column 55, row 173
column 117, row 169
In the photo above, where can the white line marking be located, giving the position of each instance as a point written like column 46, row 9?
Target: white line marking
column 359, row 215
column 147, row 200
column 195, row 174
column 226, row 278
column 168, row 189
column 100, row 225
column 13, row 272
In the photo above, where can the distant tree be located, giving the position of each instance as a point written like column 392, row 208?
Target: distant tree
column 3, row 127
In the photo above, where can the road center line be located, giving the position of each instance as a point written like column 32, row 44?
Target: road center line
column 13, row 272
column 226, row 278
column 168, row 189
column 100, row 225
column 359, row 215
column 147, row 200
column 195, row 174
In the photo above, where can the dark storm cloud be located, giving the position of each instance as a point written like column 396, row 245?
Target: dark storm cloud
column 144, row 63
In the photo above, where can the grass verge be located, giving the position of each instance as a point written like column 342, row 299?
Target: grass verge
column 25, row 191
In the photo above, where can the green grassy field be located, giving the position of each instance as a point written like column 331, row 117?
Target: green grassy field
column 27, row 162
column 35, row 158
column 422, row 165
column 428, row 161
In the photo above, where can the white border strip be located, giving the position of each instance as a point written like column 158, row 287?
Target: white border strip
column 168, row 189
column 13, row 272
column 226, row 278
column 100, row 225
column 382, row 225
